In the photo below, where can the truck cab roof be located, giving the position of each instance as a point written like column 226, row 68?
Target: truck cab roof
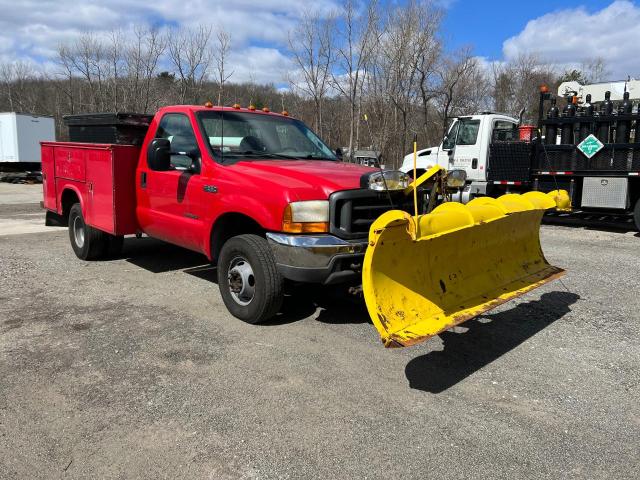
column 218, row 108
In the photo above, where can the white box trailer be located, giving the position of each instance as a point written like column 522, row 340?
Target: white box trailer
column 20, row 137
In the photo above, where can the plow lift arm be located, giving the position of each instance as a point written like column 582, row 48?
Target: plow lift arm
column 424, row 274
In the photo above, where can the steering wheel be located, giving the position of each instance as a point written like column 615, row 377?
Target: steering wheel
column 251, row 143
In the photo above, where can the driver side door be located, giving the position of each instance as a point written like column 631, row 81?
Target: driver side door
column 170, row 201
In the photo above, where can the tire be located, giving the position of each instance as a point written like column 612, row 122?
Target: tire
column 636, row 215
column 248, row 278
column 87, row 242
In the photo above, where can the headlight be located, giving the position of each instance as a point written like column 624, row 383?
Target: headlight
column 387, row 180
column 310, row 216
column 456, row 178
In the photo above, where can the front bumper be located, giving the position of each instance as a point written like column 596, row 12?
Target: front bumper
column 317, row 258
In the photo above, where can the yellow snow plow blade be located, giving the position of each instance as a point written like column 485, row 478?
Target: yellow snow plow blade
column 422, row 277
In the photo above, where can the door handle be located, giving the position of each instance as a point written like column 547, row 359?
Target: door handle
column 474, row 163
column 143, row 180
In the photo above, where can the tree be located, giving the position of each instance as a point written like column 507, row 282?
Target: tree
column 358, row 38
column 516, row 83
column 311, row 47
column 190, row 53
column 223, row 45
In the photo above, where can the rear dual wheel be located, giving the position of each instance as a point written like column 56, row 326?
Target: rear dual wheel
column 89, row 243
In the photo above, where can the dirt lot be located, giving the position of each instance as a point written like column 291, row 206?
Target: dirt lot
column 133, row 368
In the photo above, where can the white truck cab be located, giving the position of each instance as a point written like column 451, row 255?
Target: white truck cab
column 466, row 147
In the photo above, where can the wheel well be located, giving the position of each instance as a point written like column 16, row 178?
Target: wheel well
column 229, row 225
column 68, row 199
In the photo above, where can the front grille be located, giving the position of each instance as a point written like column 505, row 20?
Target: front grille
column 353, row 211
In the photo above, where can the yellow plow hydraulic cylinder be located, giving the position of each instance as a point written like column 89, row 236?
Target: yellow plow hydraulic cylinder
column 465, row 260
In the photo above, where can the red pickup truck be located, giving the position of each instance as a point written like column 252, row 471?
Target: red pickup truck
column 257, row 192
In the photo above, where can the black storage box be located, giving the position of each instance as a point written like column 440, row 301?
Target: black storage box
column 510, row 161
column 119, row 128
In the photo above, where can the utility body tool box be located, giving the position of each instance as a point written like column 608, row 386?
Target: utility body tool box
column 103, row 177
column 117, row 128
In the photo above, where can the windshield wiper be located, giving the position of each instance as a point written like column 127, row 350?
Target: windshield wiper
column 312, row 157
column 251, row 153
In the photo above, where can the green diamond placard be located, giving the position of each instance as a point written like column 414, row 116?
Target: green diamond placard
column 590, row 146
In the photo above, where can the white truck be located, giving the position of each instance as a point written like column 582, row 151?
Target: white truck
column 590, row 147
column 20, row 137
column 467, row 146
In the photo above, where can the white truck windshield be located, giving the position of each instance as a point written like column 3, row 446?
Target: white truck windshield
column 234, row 135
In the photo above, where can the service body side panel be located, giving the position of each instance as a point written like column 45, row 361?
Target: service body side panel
column 125, row 160
column 101, row 175
column 69, row 162
column 99, row 209
column 49, row 194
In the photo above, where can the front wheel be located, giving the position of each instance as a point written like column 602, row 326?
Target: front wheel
column 249, row 281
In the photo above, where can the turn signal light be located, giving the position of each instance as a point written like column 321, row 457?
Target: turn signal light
column 289, row 226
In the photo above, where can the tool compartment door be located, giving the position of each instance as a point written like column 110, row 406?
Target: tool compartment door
column 49, row 195
column 125, row 160
column 99, row 207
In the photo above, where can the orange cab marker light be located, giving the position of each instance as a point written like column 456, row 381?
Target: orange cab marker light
column 236, row 106
column 252, row 107
column 285, row 113
column 266, row 110
column 208, row 105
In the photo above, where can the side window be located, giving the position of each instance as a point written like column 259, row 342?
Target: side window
column 468, row 132
column 504, row 131
column 176, row 128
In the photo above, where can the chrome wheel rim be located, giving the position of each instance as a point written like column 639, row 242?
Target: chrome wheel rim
column 241, row 281
column 78, row 232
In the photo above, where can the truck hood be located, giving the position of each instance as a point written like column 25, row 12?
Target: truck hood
column 303, row 179
column 426, row 157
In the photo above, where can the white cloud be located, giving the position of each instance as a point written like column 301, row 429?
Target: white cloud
column 258, row 64
column 572, row 37
column 33, row 29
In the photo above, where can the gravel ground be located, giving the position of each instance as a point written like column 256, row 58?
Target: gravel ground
column 132, row 368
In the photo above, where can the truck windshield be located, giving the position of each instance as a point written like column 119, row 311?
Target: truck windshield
column 242, row 135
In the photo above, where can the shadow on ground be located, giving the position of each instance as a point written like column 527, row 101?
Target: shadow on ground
column 336, row 305
column 157, row 256
column 621, row 225
column 487, row 338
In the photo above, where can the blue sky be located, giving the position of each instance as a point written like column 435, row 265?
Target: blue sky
column 564, row 33
column 487, row 24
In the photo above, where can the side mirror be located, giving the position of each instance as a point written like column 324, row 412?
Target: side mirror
column 159, row 154
column 339, row 153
